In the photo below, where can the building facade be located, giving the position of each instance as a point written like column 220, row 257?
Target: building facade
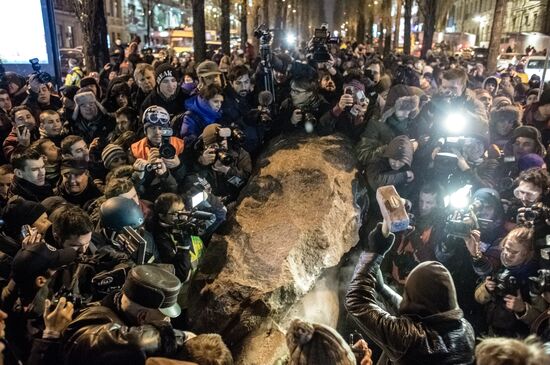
column 125, row 19
column 524, row 21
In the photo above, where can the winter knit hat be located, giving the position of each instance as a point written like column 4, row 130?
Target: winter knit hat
column 163, row 71
column 313, row 343
column 210, row 134
column 110, row 152
column 21, row 212
column 84, row 96
column 529, row 161
column 500, row 101
column 401, row 149
column 90, row 81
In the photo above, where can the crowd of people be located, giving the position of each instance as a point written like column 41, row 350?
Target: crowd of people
column 111, row 189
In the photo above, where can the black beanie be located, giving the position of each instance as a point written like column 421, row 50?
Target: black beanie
column 164, row 70
column 21, row 212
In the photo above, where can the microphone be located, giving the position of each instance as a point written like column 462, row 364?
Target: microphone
column 265, row 98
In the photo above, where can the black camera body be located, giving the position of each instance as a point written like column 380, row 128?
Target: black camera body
column 263, row 34
column 153, row 166
column 506, row 285
column 133, row 243
column 458, row 228
column 540, row 284
column 318, row 44
column 77, row 300
column 43, row 77
column 192, row 222
column 222, row 154
column 166, row 150
column 534, row 214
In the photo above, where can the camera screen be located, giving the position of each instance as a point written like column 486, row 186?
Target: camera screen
column 197, row 199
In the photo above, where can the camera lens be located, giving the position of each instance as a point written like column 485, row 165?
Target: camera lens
column 167, row 151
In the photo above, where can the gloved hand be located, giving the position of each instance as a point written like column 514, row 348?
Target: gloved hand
column 380, row 239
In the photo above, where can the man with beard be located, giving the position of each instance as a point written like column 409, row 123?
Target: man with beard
column 349, row 114
column 40, row 97
column 30, row 177
column 76, row 185
column 23, row 132
column 167, row 92
column 144, row 75
column 328, row 89
column 419, row 245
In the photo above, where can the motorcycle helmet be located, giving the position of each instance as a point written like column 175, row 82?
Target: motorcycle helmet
column 118, row 212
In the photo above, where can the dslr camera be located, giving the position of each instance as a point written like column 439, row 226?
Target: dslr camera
column 43, row 77
column 318, row 44
column 533, row 214
column 77, row 300
column 540, row 284
column 166, row 150
column 153, row 166
column 506, row 285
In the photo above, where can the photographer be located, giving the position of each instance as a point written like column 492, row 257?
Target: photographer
column 305, row 108
column 223, row 162
column 173, row 236
column 24, row 131
column 203, row 109
column 158, row 137
column 399, row 118
column 132, row 323
column 40, row 97
column 426, row 316
column 348, row 115
column 152, row 178
column 505, row 292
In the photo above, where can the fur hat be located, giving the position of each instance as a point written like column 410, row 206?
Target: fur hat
column 408, row 104
column 506, row 113
column 312, row 343
column 528, row 131
column 399, row 91
column 84, row 96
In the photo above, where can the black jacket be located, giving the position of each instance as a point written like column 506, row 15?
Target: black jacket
column 102, row 332
column 100, row 128
column 435, row 338
column 29, row 191
column 84, row 199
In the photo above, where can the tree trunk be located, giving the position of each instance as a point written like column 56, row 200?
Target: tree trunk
column 244, row 24
column 361, row 27
column 388, row 26
column 199, row 30
column 370, row 28
column 397, row 24
column 91, row 15
column 265, row 15
column 496, row 31
column 430, row 10
column 407, row 27
column 225, row 26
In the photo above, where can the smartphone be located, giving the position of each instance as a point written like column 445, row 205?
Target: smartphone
column 26, row 230
column 348, row 91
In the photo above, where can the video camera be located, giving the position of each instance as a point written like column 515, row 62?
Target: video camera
column 463, row 219
column 263, row 34
column 133, row 243
column 530, row 216
column 540, row 284
column 318, row 44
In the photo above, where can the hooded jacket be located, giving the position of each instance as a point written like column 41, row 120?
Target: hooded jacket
column 199, row 114
column 380, row 173
column 430, row 327
column 495, row 80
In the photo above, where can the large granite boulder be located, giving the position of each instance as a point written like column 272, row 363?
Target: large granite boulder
column 296, row 218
